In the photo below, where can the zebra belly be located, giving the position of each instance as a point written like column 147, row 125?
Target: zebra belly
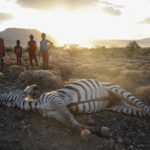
column 88, row 106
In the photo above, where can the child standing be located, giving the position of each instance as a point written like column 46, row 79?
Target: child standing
column 44, row 49
column 2, row 52
column 32, row 46
column 18, row 52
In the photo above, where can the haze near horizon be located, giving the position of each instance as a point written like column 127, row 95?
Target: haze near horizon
column 79, row 21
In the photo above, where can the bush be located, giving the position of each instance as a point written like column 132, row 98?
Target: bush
column 65, row 70
column 44, row 79
column 16, row 69
column 144, row 91
column 132, row 49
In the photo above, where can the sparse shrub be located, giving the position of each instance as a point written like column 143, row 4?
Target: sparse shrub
column 145, row 68
column 132, row 76
column 130, row 79
column 144, row 91
column 15, row 68
column 9, row 49
column 132, row 49
column 65, row 70
column 45, row 79
column 146, row 51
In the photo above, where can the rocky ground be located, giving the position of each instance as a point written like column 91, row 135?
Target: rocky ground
column 21, row 130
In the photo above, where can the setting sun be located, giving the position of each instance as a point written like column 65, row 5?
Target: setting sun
column 77, row 21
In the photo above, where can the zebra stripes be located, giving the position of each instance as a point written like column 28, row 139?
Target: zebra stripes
column 85, row 96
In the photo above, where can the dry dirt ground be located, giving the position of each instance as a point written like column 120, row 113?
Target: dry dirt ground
column 21, row 130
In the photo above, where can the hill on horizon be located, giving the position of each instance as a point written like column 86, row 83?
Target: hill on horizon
column 10, row 36
column 120, row 43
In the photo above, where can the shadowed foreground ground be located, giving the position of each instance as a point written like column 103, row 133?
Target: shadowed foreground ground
column 21, row 130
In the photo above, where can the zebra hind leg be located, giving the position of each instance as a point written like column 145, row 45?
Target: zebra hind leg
column 127, row 110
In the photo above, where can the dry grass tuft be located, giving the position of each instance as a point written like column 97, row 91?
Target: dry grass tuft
column 144, row 91
column 65, row 70
column 1, row 75
column 145, row 68
column 16, row 69
column 45, row 79
column 132, row 76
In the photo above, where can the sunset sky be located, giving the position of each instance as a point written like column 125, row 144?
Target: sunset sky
column 79, row 21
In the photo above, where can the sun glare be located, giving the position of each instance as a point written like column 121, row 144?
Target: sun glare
column 79, row 26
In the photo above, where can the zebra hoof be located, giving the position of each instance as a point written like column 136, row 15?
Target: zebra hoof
column 105, row 132
column 85, row 135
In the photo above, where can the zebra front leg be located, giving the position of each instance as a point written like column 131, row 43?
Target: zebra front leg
column 62, row 109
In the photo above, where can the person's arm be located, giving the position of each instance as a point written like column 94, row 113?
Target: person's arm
column 50, row 43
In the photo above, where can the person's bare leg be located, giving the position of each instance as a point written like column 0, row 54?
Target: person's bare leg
column 20, row 61
column 43, row 64
column 47, row 64
column 2, row 62
column 36, row 62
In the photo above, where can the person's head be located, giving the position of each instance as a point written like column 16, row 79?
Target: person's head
column 43, row 35
column 18, row 42
column 31, row 37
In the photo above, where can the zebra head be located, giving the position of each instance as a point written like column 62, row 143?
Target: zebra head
column 29, row 89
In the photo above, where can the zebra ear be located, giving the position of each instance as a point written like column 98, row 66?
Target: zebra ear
column 30, row 89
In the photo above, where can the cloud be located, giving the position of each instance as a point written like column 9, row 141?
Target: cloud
column 112, row 11
column 5, row 17
column 106, row 3
column 145, row 21
column 47, row 4
column 111, row 4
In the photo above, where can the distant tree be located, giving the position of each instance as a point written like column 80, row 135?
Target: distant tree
column 132, row 48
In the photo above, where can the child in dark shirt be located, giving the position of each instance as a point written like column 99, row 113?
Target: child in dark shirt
column 18, row 52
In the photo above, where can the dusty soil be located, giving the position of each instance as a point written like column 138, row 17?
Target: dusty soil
column 21, row 130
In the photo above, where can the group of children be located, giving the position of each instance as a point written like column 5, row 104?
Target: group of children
column 32, row 47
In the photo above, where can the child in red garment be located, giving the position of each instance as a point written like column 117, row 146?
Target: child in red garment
column 32, row 47
column 18, row 52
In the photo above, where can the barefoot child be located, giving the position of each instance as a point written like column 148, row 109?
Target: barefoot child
column 18, row 52
column 32, row 47
column 44, row 49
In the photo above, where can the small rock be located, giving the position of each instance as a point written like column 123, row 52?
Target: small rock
column 105, row 132
column 85, row 135
column 120, row 140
